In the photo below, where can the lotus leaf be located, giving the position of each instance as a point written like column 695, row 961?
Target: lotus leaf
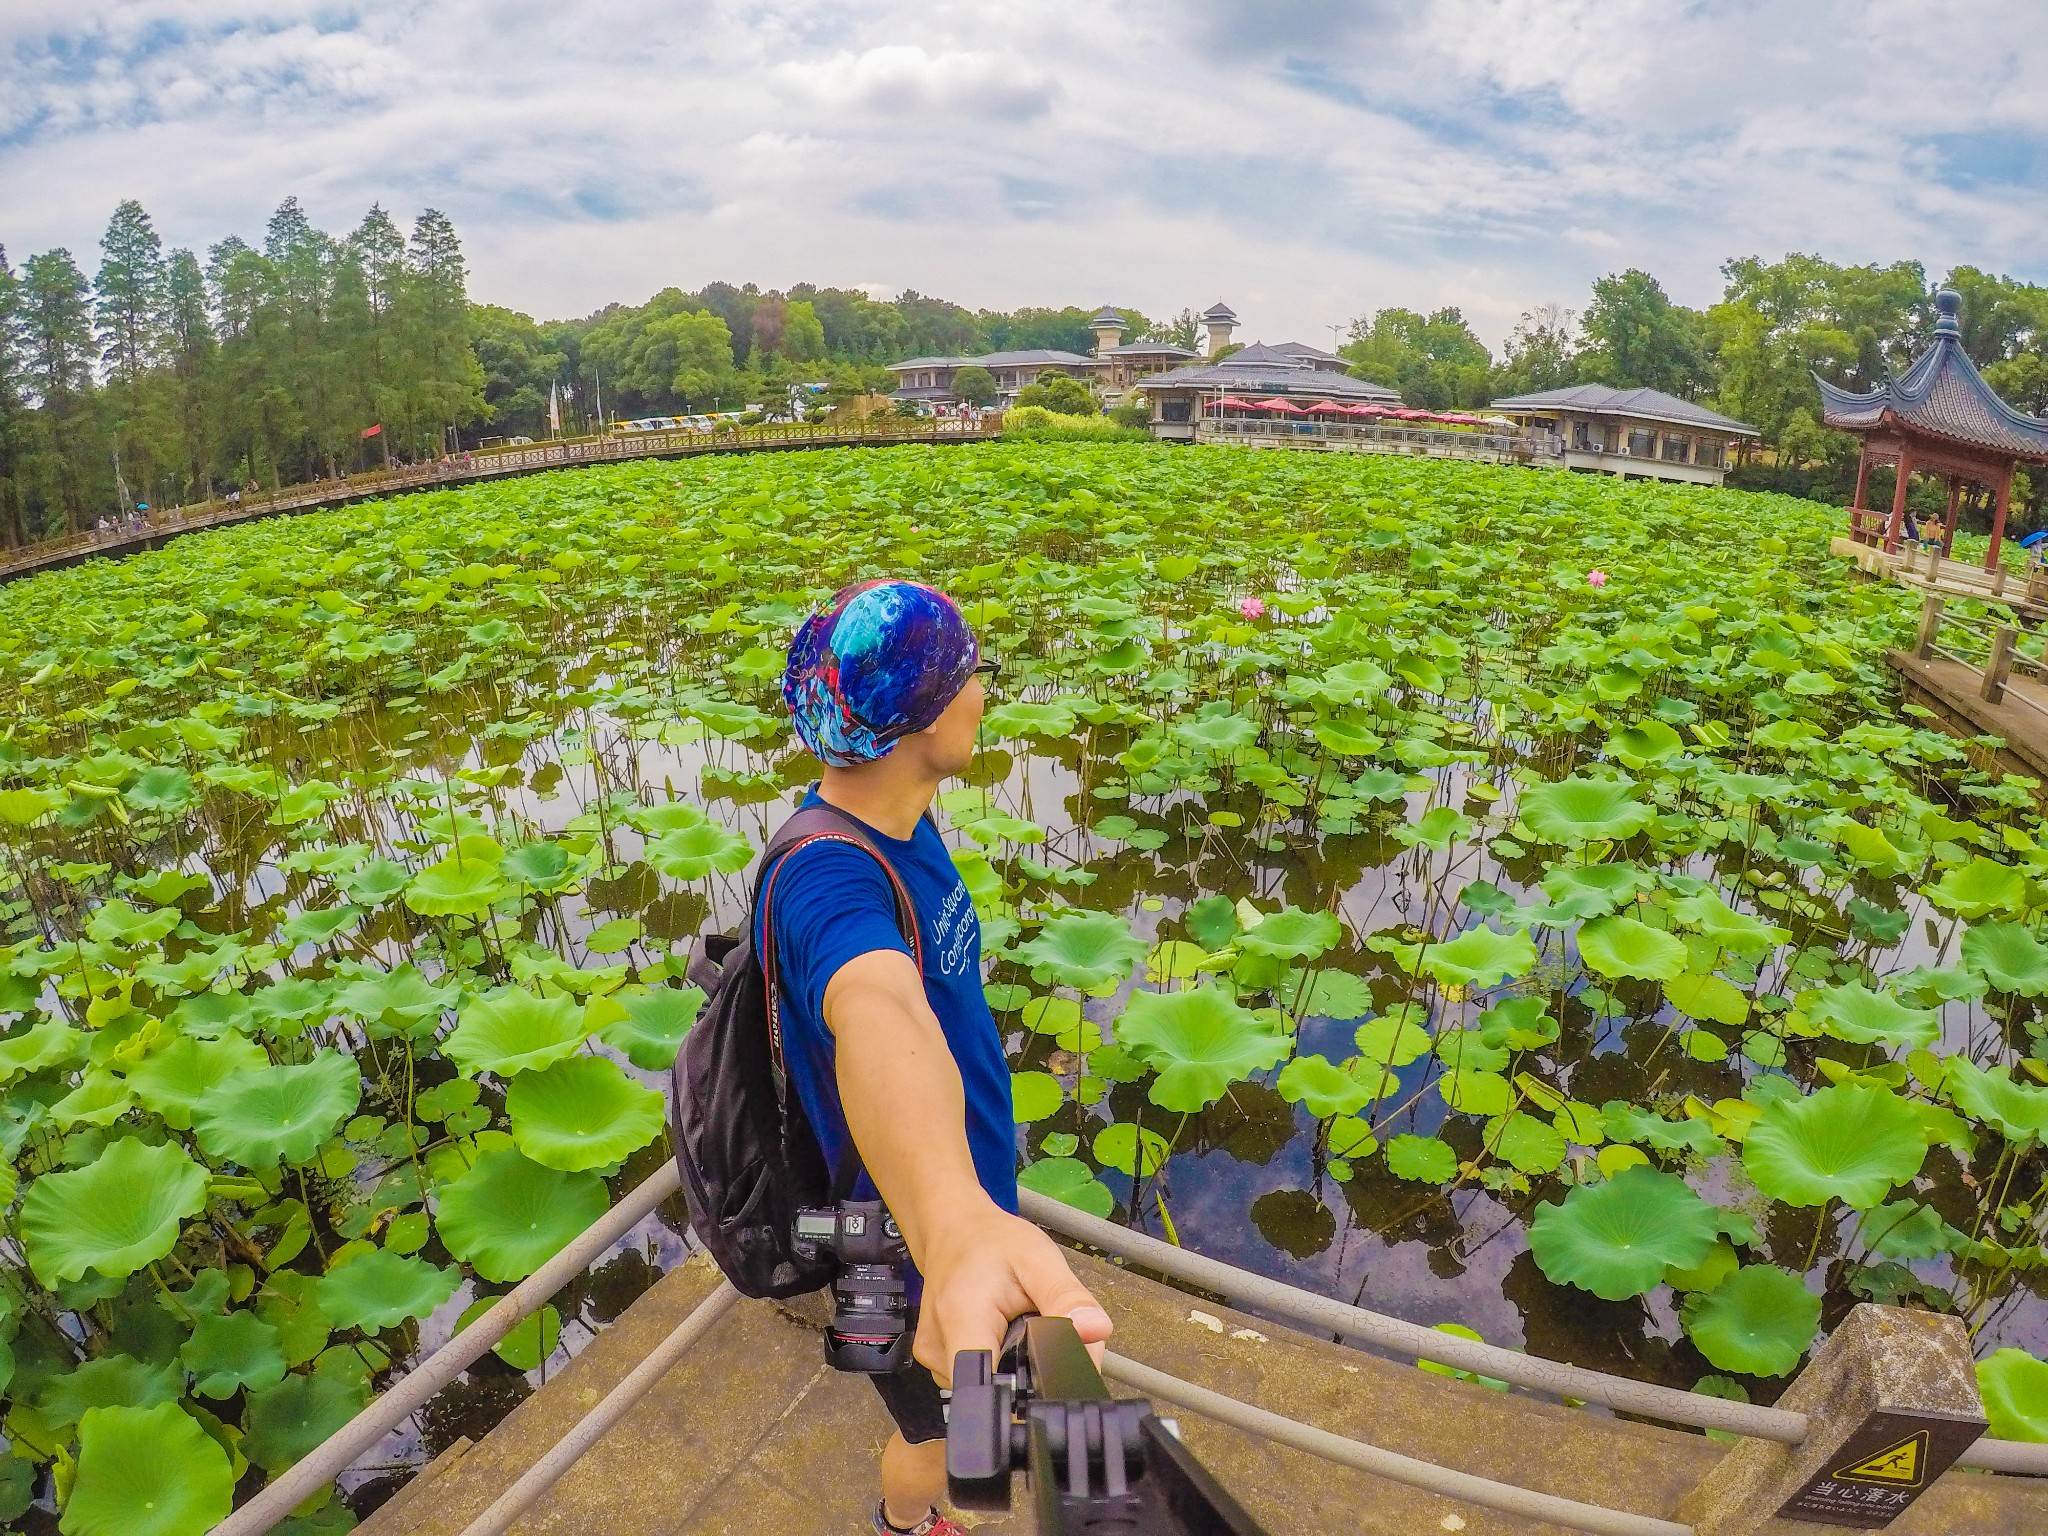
column 2017, row 1111
column 1621, row 946
column 582, row 1112
column 1292, row 934
column 110, row 1381
column 1979, row 887
column 1645, row 744
column 455, row 887
column 531, row 1340
column 114, row 1215
column 1034, row 1095
column 1850, row 1143
column 293, row 1418
column 1321, row 1088
column 1759, row 1321
column 1532, row 1145
column 2009, row 957
column 512, row 1030
column 1616, row 1238
column 378, row 1290
column 1480, row 957
column 2015, row 1389
column 147, row 1472
column 1211, row 921
column 691, row 853
column 1082, row 949
column 232, row 1351
column 258, row 1118
column 656, row 1020
column 1423, row 1159
column 42, row 1045
column 508, row 1215
column 1712, row 998
column 398, row 1001
column 1069, row 1181
column 1334, row 995
column 1218, row 735
column 1578, row 810
column 1200, row 1041
column 1118, row 1146
column 1395, row 1039
column 1855, row 1013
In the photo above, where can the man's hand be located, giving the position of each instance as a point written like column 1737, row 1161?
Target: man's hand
column 980, row 1273
column 908, row 1114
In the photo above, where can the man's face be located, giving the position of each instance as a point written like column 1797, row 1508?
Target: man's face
column 949, row 740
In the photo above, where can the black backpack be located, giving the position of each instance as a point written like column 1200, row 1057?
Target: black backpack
column 748, row 1155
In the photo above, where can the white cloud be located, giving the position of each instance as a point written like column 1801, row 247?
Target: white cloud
column 902, row 80
column 1307, row 159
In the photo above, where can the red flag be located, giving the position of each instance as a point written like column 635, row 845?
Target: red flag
column 373, row 431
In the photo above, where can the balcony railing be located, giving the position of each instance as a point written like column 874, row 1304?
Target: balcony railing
column 1519, row 446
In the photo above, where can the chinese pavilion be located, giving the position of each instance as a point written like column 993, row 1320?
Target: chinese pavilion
column 1939, row 417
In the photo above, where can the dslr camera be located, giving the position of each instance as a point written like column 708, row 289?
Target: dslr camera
column 870, row 1328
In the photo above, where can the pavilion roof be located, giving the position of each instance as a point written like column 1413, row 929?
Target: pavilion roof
column 1942, row 394
column 1291, row 378
column 1639, row 404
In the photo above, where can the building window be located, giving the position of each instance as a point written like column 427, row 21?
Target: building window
column 1676, row 449
column 1642, row 443
column 1582, row 436
column 1173, row 410
column 1712, row 454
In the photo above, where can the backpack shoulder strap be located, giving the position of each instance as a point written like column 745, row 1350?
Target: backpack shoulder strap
column 820, row 823
column 827, row 823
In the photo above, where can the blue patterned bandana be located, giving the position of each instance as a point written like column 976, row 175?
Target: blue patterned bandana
column 883, row 661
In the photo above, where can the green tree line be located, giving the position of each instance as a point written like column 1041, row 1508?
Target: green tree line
column 163, row 377
column 166, row 377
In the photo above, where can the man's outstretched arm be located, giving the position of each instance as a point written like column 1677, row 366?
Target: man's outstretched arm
column 905, row 1106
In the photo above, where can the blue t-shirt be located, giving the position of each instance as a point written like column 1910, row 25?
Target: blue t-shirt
column 832, row 904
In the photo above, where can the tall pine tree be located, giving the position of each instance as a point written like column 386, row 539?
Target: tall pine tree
column 56, row 321
column 13, row 423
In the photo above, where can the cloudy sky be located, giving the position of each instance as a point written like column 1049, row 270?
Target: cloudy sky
column 1307, row 160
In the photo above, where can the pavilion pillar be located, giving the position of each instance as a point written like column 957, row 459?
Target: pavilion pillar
column 1998, row 510
column 1898, row 522
column 1955, row 503
column 1862, row 481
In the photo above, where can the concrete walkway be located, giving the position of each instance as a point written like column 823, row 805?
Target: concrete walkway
column 752, row 1434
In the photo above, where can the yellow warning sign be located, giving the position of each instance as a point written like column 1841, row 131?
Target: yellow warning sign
column 1899, row 1465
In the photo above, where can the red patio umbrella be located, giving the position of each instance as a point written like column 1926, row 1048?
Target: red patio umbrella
column 1410, row 414
column 1328, row 405
column 1242, row 405
column 1367, row 408
column 1277, row 404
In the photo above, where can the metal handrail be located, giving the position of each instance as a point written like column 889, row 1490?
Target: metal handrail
column 1404, row 1338
column 592, row 1427
column 338, row 1452
column 1506, row 1498
column 1412, row 1339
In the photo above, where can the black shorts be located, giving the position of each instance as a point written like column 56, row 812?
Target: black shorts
column 912, row 1397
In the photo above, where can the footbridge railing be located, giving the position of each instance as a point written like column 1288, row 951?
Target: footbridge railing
column 484, row 464
column 1317, row 1314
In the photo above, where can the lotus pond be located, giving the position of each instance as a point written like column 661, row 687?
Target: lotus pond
column 1514, row 901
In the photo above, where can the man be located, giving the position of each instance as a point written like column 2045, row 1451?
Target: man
column 906, row 1070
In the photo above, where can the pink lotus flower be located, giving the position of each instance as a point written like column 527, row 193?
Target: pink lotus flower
column 1596, row 578
column 1252, row 608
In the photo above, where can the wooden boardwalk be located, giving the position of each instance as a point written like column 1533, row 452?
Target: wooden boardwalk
column 1929, row 571
column 492, row 464
column 750, row 1432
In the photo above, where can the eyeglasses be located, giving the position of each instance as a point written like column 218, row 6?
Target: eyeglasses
column 986, row 667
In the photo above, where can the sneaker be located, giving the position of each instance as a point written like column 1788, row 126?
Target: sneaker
column 933, row 1524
